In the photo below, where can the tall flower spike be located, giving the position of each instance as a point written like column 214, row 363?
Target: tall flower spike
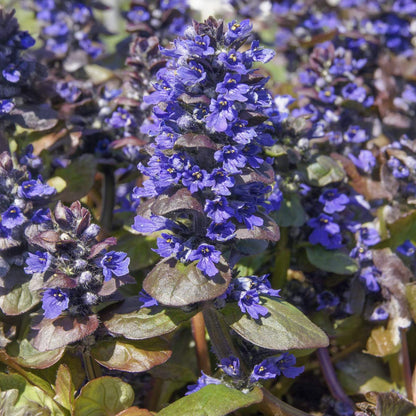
column 209, row 128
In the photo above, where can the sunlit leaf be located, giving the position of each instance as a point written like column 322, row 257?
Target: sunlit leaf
column 331, row 261
column 212, row 400
column 103, row 396
column 173, row 283
column 284, row 328
column 131, row 356
column 134, row 323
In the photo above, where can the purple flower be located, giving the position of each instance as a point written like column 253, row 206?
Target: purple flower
column 365, row 161
column 326, row 299
column 399, row 170
column 327, row 95
column 233, row 61
column 368, row 236
column 353, row 92
column 231, row 158
column 259, row 54
column 222, row 111
column 237, row 31
column 138, row 14
column 333, row 201
column 155, row 223
column 41, row 216
column 222, row 181
column 147, row 300
column 206, row 256
column 195, row 179
column 203, row 381
column 232, row 89
column 369, row 276
column 407, row 248
column 35, row 189
column 249, row 303
column 168, row 245
column 193, row 74
column 12, row 217
column 38, row 262
column 218, row 209
column 379, row 314
column 223, row 231
column 230, row 366
column 355, row 134
column 116, row 263
column 326, row 232
column 11, row 73
column 54, row 301
column 265, row 370
column 286, row 365
column 120, row 119
column 6, row 106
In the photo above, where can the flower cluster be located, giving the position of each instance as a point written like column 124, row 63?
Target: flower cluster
column 69, row 26
column 74, row 270
column 247, row 290
column 162, row 18
column 17, row 71
column 209, row 128
column 270, row 368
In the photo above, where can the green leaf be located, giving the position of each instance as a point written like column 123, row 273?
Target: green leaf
column 383, row 341
column 18, row 300
column 29, row 397
column 173, row 283
column 361, row 373
column 132, row 356
column 331, row 261
column 324, row 171
column 388, row 404
column 291, row 212
column 411, row 299
column 135, row 411
column 79, row 177
column 284, row 328
column 128, row 321
column 52, row 334
column 26, row 355
column 103, row 396
column 64, row 387
column 401, row 230
column 212, row 400
column 138, row 249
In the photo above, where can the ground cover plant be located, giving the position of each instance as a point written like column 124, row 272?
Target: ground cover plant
column 208, row 216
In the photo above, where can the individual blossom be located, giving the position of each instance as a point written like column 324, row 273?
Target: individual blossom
column 333, row 201
column 275, row 366
column 207, row 256
column 54, row 302
column 38, row 262
column 203, row 381
column 325, row 232
column 114, row 263
column 230, row 366
column 408, row 249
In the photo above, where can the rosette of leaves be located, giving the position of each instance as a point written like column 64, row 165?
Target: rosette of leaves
column 24, row 202
column 75, row 277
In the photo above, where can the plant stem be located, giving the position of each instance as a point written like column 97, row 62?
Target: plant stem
column 330, row 377
column 414, row 386
column 224, row 347
column 152, row 400
column 92, row 371
column 219, row 334
column 407, row 371
column 201, row 346
column 109, row 195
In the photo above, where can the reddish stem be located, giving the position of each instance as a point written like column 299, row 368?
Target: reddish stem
column 201, row 346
